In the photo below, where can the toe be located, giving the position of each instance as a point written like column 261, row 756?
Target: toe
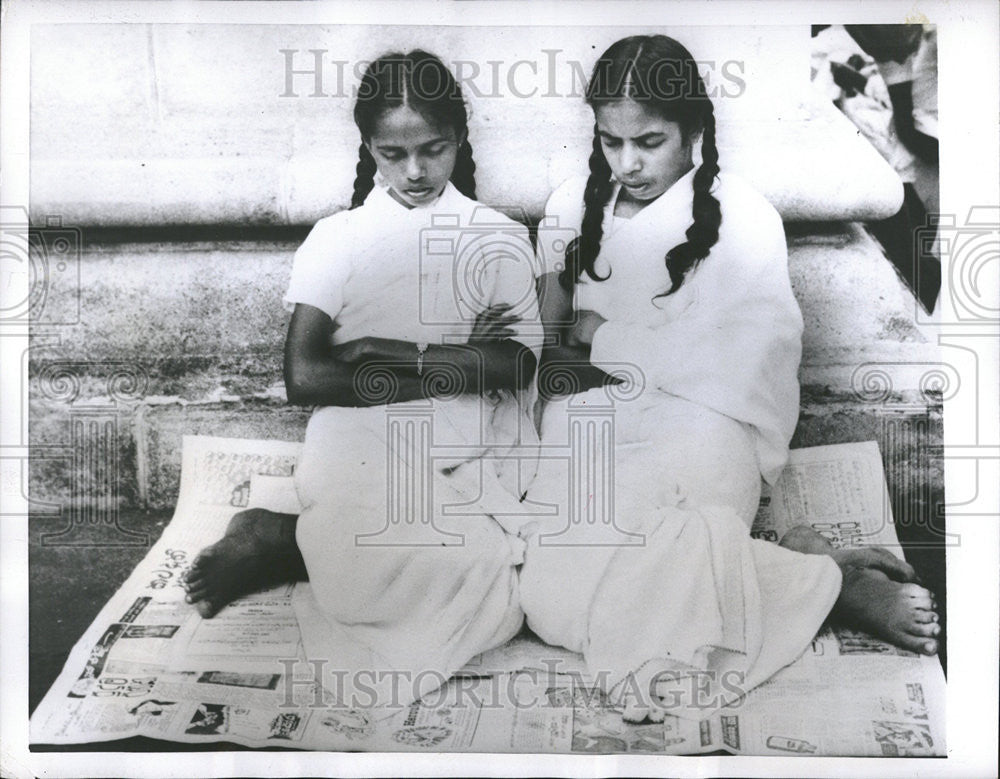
column 206, row 609
column 916, row 597
column 194, row 578
column 196, row 594
column 925, row 629
column 924, row 615
column 919, row 644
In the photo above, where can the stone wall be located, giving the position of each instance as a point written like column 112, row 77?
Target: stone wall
column 138, row 124
column 153, row 129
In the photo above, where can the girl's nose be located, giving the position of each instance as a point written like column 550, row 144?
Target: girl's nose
column 629, row 159
column 414, row 168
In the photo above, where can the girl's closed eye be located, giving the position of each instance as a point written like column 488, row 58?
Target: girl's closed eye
column 438, row 149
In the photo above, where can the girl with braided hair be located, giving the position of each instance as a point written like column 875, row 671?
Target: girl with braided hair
column 410, row 326
column 677, row 281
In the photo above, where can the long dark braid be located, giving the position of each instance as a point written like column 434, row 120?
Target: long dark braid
column 583, row 250
column 464, row 174
column 633, row 69
column 422, row 82
column 364, row 181
column 704, row 233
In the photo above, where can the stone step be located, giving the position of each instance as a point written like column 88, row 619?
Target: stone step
column 150, row 444
column 206, row 124
column 197, row 349
column 198, row 321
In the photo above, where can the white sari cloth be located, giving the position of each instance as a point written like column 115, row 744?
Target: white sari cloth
column 411, row 572
column 645, row 564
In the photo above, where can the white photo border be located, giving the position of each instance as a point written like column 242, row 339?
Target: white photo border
column 969, row 161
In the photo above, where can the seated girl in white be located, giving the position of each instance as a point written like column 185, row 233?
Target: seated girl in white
column 678, row 280
column 410, row 336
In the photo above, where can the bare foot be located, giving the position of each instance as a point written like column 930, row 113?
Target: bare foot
column 803, row 538
column 902, row 613
column 879, row 593
column 258, row 551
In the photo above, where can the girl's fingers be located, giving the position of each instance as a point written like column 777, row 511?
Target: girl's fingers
column 496, row 335
column 496, row 311
column 493, row 334
column 512, row 318
column 486, row 328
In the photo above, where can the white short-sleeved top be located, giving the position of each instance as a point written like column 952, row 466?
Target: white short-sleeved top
column 417, row 274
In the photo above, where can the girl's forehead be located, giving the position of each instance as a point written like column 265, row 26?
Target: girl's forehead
column 630, row 119
column 402, row 126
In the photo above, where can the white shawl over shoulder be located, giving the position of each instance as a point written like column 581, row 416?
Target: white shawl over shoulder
column 730, row 338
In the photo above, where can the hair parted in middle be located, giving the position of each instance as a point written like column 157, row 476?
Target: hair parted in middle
column 421, row 82
column 661, row 75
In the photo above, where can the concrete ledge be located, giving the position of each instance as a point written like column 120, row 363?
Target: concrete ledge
column 197, row 350
column 813, row 167
column 850, row 295
column 194, row 317
column 906, row 424
column 909, row 435
column 201, row 319
column 200, row 124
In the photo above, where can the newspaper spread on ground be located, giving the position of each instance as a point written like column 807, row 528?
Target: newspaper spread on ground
column 150, row 666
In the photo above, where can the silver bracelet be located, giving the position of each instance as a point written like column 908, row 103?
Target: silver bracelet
column 421, row 348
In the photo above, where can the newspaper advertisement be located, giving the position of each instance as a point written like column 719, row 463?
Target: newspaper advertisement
column 150, row 666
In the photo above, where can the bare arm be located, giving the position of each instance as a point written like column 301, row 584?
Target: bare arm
column 374, row 371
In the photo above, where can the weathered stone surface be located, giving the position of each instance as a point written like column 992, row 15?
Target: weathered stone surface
column 908, row 429
column 190, row 318
column 196, row 346
column 203, row 318
column 177, row 124
column 196, row 320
